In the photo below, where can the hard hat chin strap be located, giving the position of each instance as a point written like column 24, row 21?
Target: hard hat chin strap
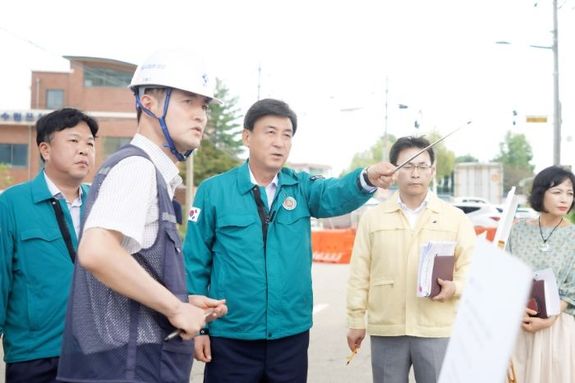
column 179, row 156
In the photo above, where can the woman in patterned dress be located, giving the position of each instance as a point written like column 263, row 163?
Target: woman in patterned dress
column 545, row 348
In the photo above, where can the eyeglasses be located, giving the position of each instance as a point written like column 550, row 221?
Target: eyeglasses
column 421, row 167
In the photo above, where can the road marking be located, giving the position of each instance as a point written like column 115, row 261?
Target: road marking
column 320, row 307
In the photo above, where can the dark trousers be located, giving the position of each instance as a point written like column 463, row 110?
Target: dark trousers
column 258, row 361
column 33, row 371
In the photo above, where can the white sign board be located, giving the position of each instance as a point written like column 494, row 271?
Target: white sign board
column 488, row 319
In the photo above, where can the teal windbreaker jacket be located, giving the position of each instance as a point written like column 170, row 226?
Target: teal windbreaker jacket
column 35, row 271
column 268, row 290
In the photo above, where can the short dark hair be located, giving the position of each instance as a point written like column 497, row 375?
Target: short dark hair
column 155, row 91
column 407, row 143
column 269, row 107
column 545, row 180
column 62, row 119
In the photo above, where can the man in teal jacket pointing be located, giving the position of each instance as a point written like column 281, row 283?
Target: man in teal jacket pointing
column 249, row 241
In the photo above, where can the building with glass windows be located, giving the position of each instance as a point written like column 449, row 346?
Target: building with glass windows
column 97, row 86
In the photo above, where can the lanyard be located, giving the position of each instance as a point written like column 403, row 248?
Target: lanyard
column 63, row 228
column 265, row 218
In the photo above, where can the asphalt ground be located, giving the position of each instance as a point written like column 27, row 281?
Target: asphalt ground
column 328, row 347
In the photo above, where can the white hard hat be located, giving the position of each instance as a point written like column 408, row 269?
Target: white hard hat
column 178, row 69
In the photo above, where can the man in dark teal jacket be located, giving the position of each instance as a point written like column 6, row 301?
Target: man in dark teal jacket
column 249, row 241
column 36, row 261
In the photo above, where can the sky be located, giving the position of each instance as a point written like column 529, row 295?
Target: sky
column 336, row 63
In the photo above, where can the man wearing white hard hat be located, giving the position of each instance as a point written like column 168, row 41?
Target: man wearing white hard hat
column 129, row 295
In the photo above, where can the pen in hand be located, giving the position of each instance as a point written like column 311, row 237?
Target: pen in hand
column 177, row 332
column 350, row 357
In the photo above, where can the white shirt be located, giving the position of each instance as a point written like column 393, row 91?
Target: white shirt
column 73, row 207
column 128, row 202
column 271, row 188
column 413, row 215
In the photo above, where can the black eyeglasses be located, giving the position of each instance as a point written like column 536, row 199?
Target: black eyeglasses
column 411, row 166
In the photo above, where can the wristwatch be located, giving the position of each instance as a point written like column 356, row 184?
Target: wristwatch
column 366, row 178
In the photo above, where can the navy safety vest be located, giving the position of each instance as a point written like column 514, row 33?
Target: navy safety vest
column 111, row 338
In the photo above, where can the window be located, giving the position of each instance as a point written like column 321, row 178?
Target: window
column 14, row 154
column 54, row 98
column 112, row 144
column 96, row 77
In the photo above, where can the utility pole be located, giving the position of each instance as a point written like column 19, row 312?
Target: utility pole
column 384, row 155
column 189, row 184
column 259, row 80
column 556, row 101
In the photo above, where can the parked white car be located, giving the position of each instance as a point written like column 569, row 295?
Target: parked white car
column 522, row 212
column 480, row 213
column 487, row 215
column 470, row 199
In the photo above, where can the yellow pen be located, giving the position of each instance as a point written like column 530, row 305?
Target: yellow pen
column 351, row 356
column 177, row 332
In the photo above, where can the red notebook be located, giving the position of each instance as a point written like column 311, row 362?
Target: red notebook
column 537, row 299
column 544, row 296
column 442, row 268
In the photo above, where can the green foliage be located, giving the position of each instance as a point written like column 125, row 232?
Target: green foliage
column 372, row 155
column 5, row 178
column 224, row 129
column 222, row 144
column 465, row 158
column 209, row 161
column 444, row 158
column 515, row 154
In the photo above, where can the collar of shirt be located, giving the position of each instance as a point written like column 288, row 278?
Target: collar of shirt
column 422, row 206
column 56, row 193
column 165, row 165
column 73, row 207
column 270, row 188
column 413, row 214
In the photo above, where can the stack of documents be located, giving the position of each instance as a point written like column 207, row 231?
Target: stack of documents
column 544, row 294
column 436, row 260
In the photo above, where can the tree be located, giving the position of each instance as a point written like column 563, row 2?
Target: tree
column 444, row 165
column 222, row 144
column 223, row 128
column 515, row 154
column 465, row 158
column 5, row 178
column 444, row 158
column 372, row 155
column 210, row 161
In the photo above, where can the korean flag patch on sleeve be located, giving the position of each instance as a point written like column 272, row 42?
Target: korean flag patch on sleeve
column 194, row 214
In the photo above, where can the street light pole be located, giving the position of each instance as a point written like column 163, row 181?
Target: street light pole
column 556, row 101
column 384, row 146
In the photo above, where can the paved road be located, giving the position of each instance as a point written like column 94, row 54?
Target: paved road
column 328, row 348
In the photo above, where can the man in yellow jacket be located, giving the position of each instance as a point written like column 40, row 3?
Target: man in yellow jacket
column 406, row 330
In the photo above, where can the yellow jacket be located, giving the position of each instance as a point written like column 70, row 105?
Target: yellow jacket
column 384, row 265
